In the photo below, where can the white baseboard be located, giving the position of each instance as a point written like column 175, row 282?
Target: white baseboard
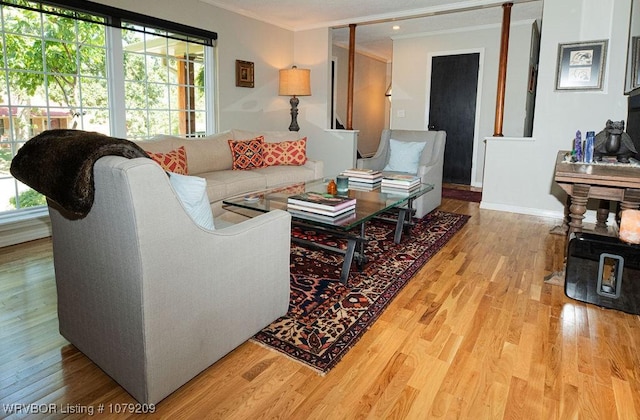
column 24, row 227
column 522, row 210
column 589, row 217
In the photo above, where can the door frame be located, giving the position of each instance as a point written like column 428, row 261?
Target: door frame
column 476, row 128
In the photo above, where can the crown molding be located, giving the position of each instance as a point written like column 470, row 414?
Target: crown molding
column 369, row 19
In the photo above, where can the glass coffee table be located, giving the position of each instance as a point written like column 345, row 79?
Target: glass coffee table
column 395, row 207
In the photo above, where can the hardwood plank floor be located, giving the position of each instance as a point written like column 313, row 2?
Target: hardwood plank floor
column 476, row 334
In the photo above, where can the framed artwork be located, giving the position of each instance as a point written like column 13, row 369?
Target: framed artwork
column 581, row 65
column 244, row 74
column 635, row 65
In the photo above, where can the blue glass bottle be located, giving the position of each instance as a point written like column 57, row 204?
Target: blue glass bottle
column 589, row 145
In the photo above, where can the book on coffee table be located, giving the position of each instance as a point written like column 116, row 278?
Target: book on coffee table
column 336, row 220
column 322, row 201
column 400, row 181
column 363, row 186
column 365, row 176
column 402, row 191
column 330, row 213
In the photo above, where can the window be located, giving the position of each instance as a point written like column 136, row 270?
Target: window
column 98, row 69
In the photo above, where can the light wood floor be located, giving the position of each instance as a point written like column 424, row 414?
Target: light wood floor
column 476, row 334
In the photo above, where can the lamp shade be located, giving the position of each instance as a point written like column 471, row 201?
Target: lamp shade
column 295, row 82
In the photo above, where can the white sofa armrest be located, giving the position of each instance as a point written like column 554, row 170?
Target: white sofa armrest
column 317, row 166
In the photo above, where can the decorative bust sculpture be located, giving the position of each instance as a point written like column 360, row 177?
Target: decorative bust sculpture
column 613, row 141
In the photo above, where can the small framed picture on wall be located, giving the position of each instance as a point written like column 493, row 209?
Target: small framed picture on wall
column 581, row 65
column 244, row 73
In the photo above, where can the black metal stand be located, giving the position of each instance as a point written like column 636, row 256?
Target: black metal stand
column 356, row 243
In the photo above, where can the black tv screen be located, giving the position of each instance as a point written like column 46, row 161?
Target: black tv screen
column 633, row 121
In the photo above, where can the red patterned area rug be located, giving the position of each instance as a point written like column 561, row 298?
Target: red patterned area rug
column 326, row 318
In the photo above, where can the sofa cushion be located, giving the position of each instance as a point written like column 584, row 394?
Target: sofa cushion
column 269, row 136
column 211, row 153
column 224, row 184
column 404, row 156
column 160, row 144
column 172, row 161
column 247, row 154
column 278, row 175
column 204, row 154
column 285, row 153
column 192, row 192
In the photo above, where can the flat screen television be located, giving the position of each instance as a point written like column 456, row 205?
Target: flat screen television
column 632, row 125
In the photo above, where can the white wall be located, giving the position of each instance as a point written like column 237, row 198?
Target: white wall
column 370, row 106
column 336, row 148
column 269, row 47
column 411, row 80
column 525, row 184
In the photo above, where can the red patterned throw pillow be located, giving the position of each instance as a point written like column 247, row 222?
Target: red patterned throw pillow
column 247, row 154
column 286, row 153
column 173, row 161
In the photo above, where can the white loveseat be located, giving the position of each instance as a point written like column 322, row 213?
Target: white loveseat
column 210, row 158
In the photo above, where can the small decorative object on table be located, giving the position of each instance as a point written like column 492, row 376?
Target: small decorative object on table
column 332, row 188
column 342, row 183
column 589, row 147
column 577, row 146
column 613, row 141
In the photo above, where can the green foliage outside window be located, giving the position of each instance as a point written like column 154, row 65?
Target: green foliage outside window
column 29, row 198
column 54, row 73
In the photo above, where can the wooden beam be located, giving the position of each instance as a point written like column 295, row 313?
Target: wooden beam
column 502, row 68
column 186, row 96
column 352, row 55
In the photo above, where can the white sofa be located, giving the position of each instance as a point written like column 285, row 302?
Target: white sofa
column 430, row 162
column 210, row 158
column 150, row 296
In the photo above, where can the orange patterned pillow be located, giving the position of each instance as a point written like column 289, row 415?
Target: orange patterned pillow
column 173, row 161
column 286, row 153
column 247, row 154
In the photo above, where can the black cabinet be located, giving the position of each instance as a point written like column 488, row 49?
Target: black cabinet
column 603, row 271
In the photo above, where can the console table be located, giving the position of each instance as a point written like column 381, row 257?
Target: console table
column 619, row 183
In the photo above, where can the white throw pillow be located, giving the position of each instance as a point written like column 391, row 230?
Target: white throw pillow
column 192, row 192
column 404, row 156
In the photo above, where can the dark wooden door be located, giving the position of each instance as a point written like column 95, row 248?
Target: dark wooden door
column 452, row 108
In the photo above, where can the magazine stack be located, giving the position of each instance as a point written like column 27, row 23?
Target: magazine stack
column 399, row 183
column 363, row 179
column 322, row 207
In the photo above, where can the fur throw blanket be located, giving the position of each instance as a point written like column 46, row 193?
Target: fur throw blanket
column 59, row 165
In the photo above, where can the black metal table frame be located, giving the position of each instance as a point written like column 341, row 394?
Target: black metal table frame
column 356, row 243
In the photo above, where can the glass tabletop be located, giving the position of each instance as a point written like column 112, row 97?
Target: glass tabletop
column 368, row 203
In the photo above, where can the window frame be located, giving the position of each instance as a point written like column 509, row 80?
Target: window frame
column 115, row 20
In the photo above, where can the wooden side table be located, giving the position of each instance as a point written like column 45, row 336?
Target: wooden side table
column 581, row 182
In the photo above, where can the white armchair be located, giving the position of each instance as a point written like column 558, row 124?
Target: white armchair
column 430, row 165
column 151, row 297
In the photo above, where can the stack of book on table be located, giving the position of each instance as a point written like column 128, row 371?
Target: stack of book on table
column 399, row 183
column 322, row 207
column 363, row 179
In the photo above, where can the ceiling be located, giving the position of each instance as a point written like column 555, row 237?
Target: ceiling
column 375, row 18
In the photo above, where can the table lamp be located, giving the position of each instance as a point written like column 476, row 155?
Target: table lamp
column 295, row 82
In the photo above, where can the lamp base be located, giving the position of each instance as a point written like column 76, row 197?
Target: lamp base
column 294, row 114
